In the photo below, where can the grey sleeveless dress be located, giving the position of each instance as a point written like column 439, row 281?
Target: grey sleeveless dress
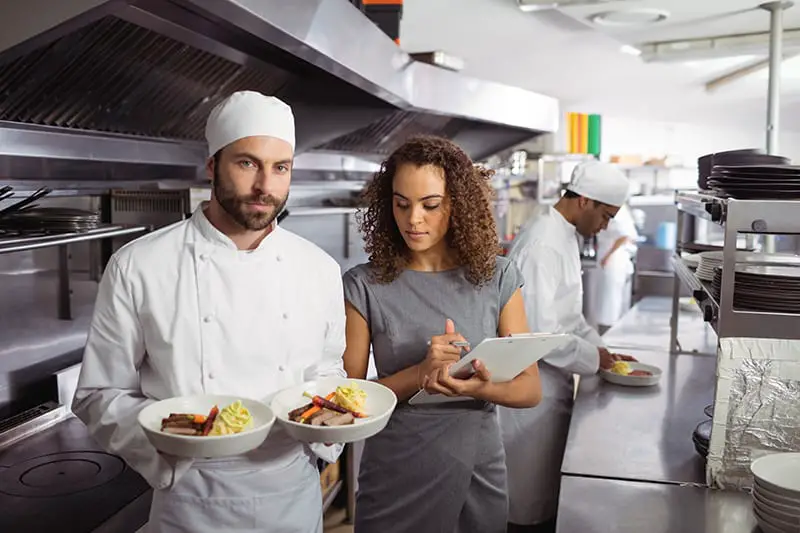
column 435, row 468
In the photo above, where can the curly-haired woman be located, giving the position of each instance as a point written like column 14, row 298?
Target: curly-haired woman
column 433, row 278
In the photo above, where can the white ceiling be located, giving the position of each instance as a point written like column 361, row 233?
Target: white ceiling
column 563, row 55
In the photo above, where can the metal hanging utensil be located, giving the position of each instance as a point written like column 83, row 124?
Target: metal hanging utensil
column 40, row 193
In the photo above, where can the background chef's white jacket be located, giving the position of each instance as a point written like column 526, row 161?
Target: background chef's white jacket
column 182, row 311
column 622, row 225
column 547, row 253
column 613, row 288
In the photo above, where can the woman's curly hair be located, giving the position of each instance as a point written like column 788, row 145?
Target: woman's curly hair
column 472, row 233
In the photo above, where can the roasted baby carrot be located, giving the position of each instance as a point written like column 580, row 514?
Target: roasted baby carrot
column 305, row 416
column 209, row 423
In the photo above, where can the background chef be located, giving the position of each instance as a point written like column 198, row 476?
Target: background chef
column 225, row 302
column 547, row 253
column 616, row 249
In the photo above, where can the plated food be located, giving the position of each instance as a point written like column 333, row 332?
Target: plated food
column 623, row 368
column 632, row 374
column 196, row 426
column 233, row 419
column 334, row 409
column 339, row 408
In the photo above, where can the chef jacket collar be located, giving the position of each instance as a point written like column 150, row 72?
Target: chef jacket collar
column 565, row 224
column 214, row 239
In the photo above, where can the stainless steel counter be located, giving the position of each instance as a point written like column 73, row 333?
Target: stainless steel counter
column 646, row 326
column 608, row 506
column 630, row 465
column 643, row 433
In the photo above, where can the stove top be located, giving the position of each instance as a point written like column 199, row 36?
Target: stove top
column 60, row 481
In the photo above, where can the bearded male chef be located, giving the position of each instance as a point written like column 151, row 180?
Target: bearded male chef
column 226, row 302
column 547, row 252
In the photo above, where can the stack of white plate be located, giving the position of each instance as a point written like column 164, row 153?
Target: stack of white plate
column 711, row 260
column 691, row 260
column 708, row 262
column 776, row 492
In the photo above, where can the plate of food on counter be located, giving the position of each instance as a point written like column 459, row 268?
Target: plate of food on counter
column 632, row 374
column 334, row 410
column 206, row 426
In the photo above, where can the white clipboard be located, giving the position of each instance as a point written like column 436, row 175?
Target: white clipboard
column 504, row 357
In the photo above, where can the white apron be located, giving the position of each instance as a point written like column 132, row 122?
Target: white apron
column 240, row 497
column 181, row 311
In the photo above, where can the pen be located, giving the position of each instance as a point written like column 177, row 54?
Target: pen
column 458, row 344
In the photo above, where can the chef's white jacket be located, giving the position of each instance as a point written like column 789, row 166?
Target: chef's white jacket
column 547, row 253
column 182, row 311
column 613, row 288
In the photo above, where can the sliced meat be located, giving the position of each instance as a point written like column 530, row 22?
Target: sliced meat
column 180, row 431
column 321, row 417
column 640, row 373
column 179, row 424
column 299, row 411
column 340, row 420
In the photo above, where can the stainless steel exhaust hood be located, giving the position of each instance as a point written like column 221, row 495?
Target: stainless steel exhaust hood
column 113, row 89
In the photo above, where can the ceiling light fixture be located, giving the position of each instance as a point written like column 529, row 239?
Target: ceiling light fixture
column 629, row 17
column 630, row 50
column 542, row 5
column 528, row 8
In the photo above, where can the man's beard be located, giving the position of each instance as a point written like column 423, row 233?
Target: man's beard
column 235, row 205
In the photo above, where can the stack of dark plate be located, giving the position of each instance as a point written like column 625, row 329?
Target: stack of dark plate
column 756, row 182
column 702, row 438
column 767, row 288
column 733, row 158
column 49, row 220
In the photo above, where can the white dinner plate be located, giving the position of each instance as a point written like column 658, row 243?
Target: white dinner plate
column 773, row 523
column 634, row 381
column 775, row 498
column 210, row 446
column 771, row 510
column 379, row 405
column 779, row 473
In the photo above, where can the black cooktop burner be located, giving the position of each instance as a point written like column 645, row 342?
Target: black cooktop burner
column 60, row 481
column 59, row 474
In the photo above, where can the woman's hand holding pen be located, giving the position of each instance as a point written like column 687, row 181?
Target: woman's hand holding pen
column 435, row 370
column 441, row 352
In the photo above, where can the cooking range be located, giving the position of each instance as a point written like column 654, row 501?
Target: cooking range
column 60, row 481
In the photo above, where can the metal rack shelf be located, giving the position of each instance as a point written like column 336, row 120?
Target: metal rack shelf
column 21, row 244
column 62, row 241
column 320, row 211
column 743, row 216
column 736, row 216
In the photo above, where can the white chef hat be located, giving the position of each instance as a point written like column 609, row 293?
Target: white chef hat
column 248, row 114
column 600, row 181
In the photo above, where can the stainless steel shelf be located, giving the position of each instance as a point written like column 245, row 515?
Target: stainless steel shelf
column 21, row 244
column 62, row 241
column 320, row 211
column 685, row 274
column 743, row 216
column 730, row 322
column 696, row 204
column 735, row 216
